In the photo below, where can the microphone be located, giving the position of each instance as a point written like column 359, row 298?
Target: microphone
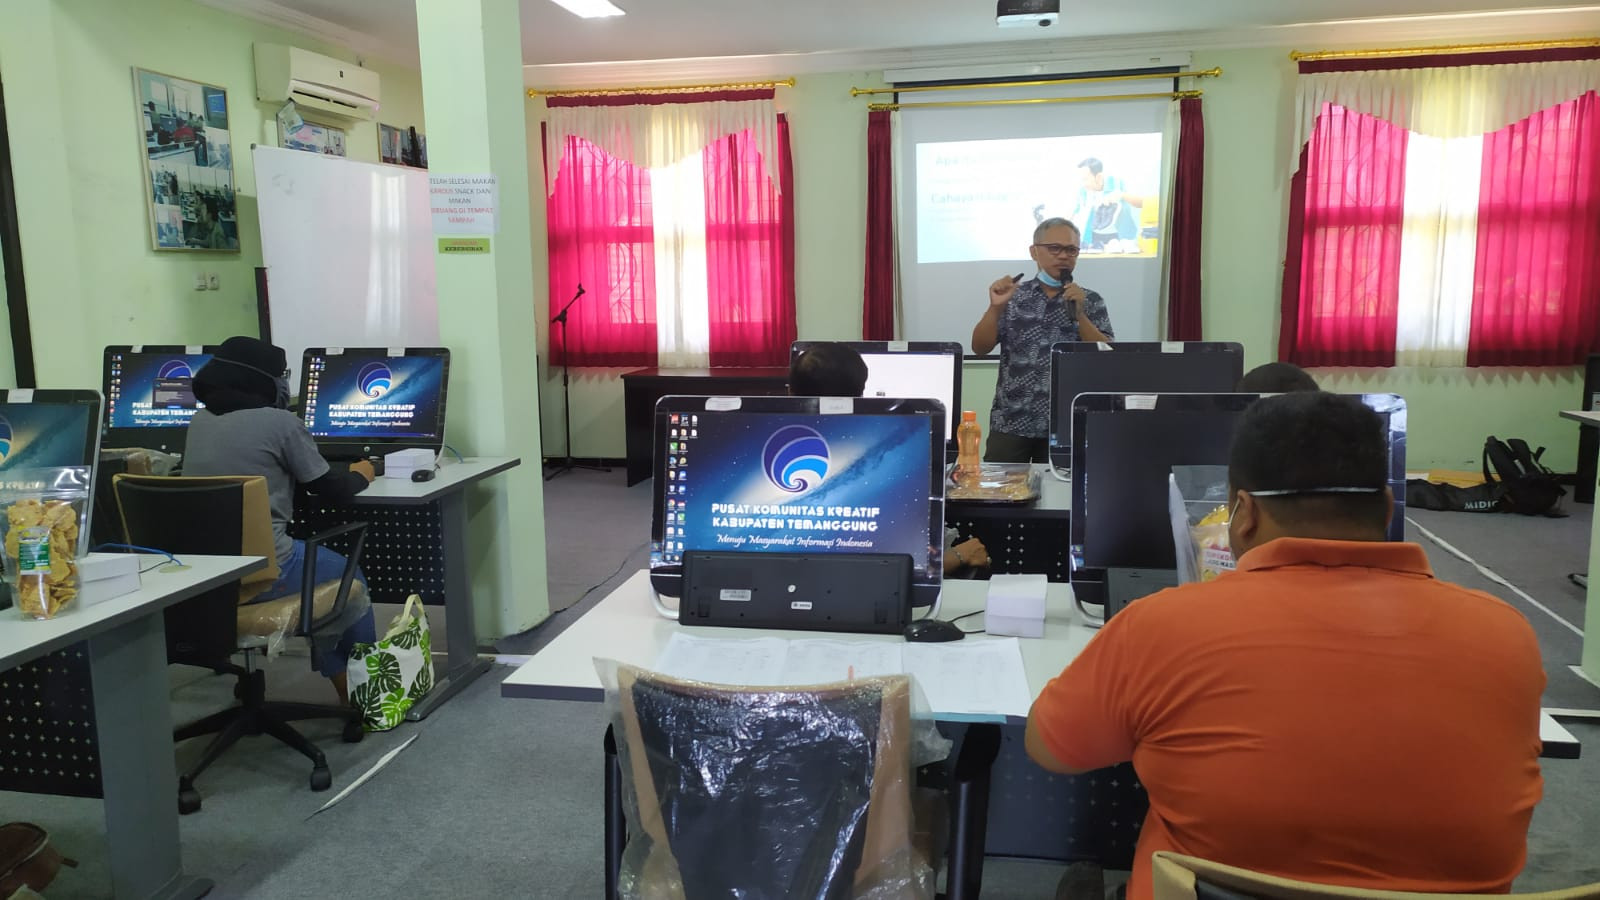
column 1066, row 275
column 581, row 291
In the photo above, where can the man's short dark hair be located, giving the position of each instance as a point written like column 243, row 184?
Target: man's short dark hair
column 1054, row 222
column 1310, row 442
column 1094, row 165
column 827, row 370
column 1276, row 378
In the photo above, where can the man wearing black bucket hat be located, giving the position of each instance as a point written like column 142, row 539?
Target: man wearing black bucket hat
column 246, row 428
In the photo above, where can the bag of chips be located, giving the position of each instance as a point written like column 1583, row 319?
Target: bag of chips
column 44, row 513
column 1198, row 502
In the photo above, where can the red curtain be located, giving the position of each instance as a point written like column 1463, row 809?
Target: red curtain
column 877, row 304
column 750, row 252
column 1535, row 300
column 1341, row 279
column 600, row 237
column 1188, row 193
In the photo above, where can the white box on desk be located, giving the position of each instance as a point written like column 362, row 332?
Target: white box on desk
column 401, row 463
column 106, row 576
column 1015, row 606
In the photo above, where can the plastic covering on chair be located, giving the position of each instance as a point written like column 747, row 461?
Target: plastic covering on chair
column 741, row 792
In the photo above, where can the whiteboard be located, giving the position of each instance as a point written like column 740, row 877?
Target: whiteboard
column 348, row 248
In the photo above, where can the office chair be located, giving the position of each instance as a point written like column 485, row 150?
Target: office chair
column 230, row 516
column 1178, row 877
column 780, row 792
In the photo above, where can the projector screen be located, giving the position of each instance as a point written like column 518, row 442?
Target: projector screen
column 973, row 182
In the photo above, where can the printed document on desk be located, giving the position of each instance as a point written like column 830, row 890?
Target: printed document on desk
column 976, row 680
column 981, row 679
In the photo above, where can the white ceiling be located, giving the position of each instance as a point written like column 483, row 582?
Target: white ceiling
column 684, row 29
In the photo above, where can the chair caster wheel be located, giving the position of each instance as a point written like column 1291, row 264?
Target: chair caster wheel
column 188, row 801
column 353, row 732
column 321, row 778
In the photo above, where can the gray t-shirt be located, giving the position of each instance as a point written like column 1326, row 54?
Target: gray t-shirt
column 270, row 442
column 1030, row 324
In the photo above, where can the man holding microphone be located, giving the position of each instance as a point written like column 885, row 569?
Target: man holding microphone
column 1025, row 318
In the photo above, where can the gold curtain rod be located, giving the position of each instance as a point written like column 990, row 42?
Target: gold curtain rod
column 1165, row 95
column 665, row 89
column 1566, row 44
column 1092, row 79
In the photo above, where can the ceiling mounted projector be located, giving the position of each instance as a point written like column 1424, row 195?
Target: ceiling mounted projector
column 1023, row 13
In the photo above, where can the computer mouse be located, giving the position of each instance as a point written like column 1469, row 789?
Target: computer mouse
column 933, row 631
column 422, row 475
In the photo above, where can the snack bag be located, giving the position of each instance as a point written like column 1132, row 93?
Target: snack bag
column 45, row 511
column 1197, row 500
column 1210, row 537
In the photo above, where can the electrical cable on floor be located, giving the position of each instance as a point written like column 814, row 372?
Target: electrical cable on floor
column 614, row 573
column 1491, row 575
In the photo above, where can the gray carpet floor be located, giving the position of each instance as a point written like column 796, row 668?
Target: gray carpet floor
column 501, row 798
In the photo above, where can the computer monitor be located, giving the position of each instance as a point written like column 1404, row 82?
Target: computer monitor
column 1154, row 367
column 910, row 369
column 802, row 474
column 1125, row 446
column 367, row 401
column 149, row 394
column 47, row 430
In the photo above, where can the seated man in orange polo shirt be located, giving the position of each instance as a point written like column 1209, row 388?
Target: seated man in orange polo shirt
column 1330, row 711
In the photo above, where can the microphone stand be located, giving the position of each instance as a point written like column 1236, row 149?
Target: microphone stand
column 568, row 464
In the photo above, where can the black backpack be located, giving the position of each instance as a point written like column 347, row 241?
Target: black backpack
column 1528, row 487
column 1480, row 498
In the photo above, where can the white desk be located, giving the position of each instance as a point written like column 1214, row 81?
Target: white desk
column 448, row 489
column 625, row 627
column 1590, row 661
column 128, row 670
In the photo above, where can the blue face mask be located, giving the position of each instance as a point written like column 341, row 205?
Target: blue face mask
column 1049, row 279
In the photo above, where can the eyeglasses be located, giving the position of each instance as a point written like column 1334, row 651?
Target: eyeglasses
column 1059, row 249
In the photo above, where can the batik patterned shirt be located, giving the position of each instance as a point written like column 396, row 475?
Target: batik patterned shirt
column 1029, row 325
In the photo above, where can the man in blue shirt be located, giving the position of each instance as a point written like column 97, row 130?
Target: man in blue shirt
column 1025, row 318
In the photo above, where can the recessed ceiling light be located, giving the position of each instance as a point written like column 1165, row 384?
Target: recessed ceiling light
column 590, row 9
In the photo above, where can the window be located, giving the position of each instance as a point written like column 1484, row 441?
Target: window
column 682, row 264
column 1466, row 233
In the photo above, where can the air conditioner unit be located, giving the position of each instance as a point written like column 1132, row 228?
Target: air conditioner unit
column 315, row 82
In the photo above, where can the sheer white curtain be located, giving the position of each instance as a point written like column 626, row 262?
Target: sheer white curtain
column 1447, row 111
column 662, row 134
column 668, row 139
column 1447, row 101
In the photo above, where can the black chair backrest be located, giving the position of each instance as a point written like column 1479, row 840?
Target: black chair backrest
column 186, row 518
column 771, row 804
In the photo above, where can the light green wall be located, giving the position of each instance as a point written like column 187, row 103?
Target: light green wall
column 93, row 277
column 8, row 375
column 1248, row 130
column 472, row 55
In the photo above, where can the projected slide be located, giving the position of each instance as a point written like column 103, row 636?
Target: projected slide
column 975, row 199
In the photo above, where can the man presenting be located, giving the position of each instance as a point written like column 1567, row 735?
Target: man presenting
column 1025, row 319
column 1329, row 711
